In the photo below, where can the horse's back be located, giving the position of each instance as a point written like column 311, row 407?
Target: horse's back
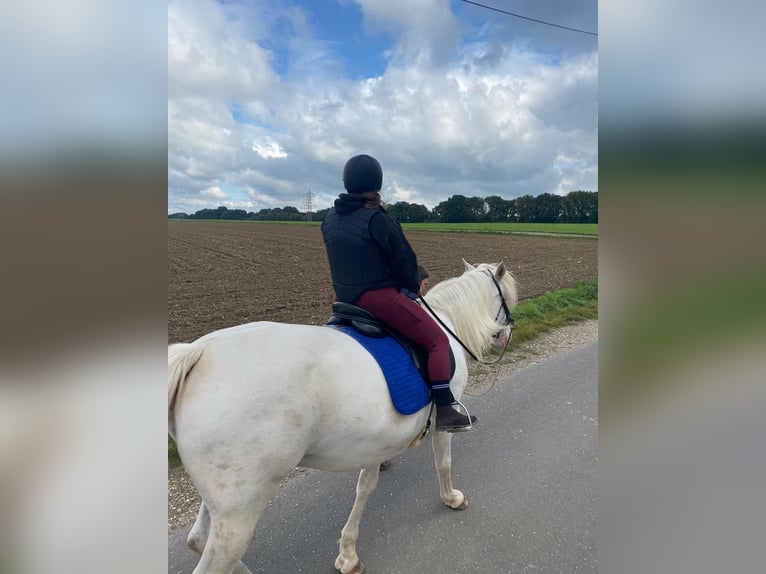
column 304, row 391
column 271, row 363
column 296, row 354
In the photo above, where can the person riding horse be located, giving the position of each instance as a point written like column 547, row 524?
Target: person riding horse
column 374, row 267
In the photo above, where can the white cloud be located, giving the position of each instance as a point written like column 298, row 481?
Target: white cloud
column 394, row 193
column 268, row 148
column 494, row 119
column 211, row 53
column 425, row 31
column 263, row 199
column 214, row 192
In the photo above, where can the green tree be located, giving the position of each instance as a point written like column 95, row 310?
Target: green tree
column 321, row 214
column 525, row 209
column 409, row 212
column 581, row 207
column 478, row 208
column 419, row 213
column 234, row 214
column 454, row 209
column 548, row 208
column 512, row 212
column 459, row 209
column 498, row 209
column 218, row 213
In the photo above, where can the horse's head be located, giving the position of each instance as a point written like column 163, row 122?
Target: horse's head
column 503, row 296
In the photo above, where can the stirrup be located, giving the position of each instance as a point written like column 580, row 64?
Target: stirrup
column 458, row 422
column 462, row 410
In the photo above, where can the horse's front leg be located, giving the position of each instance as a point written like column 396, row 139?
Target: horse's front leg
column 347, row 561
column 442, row 445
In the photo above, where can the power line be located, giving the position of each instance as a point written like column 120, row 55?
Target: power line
column 530, row 19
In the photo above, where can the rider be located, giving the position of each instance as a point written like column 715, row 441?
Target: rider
column 374, row 267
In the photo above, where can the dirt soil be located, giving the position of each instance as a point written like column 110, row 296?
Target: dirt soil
column 222, row 274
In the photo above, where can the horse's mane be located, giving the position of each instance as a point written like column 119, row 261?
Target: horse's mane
column 471, row 304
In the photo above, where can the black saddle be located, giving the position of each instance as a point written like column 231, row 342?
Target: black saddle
column 369, row 325
column 361, row 320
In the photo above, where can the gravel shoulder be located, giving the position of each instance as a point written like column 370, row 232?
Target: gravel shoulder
column 183, row 500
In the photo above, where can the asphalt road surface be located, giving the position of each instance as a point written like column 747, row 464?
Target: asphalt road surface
column 528, row 470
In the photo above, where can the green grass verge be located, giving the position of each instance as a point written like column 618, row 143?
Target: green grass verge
column 533, row 317
column 555, row 309
column 590, row 229
column 173, row 458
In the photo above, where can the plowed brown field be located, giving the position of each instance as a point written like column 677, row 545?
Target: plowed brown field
column 228, row 273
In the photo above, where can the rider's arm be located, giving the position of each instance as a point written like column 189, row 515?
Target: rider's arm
column 389, row 235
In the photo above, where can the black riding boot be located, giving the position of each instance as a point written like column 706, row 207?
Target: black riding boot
column 448, row 419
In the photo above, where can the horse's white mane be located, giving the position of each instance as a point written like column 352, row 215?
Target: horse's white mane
column 471, row 304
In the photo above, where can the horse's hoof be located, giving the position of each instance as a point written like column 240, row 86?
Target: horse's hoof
column 385, row 465
column 340, row 562
column 358, row 569
column 462, row 506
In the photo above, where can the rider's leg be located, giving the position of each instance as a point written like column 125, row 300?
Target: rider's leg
column 402, row 314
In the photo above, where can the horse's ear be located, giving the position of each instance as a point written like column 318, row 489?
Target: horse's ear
column 468, row 266
column 500, row 271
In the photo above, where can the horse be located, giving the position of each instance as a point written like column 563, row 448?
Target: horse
column 248, row 404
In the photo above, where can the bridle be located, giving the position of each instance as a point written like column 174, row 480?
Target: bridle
column 509, row 322
column 503, row 305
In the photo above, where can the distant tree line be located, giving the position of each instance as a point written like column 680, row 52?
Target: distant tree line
column 574, row 207
column 288, row 213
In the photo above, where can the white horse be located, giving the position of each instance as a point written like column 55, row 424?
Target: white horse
column 248, row 404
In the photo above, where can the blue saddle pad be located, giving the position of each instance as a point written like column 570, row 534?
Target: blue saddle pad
column 409, row 392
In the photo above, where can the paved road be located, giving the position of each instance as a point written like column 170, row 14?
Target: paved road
column 528, row 469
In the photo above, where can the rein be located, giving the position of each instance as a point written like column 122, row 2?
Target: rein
column 509, row 322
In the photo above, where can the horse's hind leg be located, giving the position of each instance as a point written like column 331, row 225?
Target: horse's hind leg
column 229, row 524
column 198, row 537
column 229, row 536
column 347, row 561
column 198, row 534
column 442, row 446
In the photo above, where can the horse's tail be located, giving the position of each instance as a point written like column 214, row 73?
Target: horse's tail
column 181, row 358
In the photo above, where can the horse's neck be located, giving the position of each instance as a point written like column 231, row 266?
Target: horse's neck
column 446, row 324
column 442, row 319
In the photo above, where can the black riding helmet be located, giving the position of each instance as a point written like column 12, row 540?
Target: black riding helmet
column 362, row 173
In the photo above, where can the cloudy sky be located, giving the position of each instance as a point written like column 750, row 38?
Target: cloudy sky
column 267, row 100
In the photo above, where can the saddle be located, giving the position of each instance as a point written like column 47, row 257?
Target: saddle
column 369, row 325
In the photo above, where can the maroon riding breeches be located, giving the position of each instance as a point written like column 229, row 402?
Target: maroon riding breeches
column 404, row 315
